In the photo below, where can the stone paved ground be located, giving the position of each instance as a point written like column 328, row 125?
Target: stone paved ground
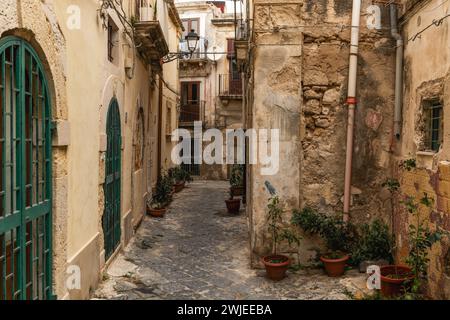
column 198, row 251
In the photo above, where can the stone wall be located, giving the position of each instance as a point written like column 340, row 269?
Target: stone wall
column 302, row 48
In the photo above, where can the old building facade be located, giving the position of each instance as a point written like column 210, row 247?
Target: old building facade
column 297, row 74
column 91, row 91
column 78, row 167
column 424, row 132
column 301, row 89
column 211, row 84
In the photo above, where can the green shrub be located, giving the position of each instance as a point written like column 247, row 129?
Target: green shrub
column 338, row 235
column 163, row 193
column 237, row 175
column 374, row 243
column 178, row 175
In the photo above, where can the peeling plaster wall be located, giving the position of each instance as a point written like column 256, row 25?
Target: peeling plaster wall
column 427, row 76
column 300, row 71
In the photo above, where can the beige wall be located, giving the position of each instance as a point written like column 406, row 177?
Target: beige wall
column 83, row 82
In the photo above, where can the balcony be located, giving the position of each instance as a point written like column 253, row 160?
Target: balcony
column 241, row 42
column 200, row 53
column 197, row 64
column 230, row 87
column 149, row 35
column 191, row 111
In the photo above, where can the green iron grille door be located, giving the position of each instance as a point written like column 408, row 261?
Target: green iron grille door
column 111, row 216
column 25, row 181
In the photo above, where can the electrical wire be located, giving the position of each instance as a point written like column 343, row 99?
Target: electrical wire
column 436, row 23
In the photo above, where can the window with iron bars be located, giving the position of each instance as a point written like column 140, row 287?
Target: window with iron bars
column 112, row 40
column 434, row 125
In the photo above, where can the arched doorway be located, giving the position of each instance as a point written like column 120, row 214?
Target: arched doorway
column 112, row 188
column 25, row 175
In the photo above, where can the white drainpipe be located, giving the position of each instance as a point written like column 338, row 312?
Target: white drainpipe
column 351, row 101
column 398, row 72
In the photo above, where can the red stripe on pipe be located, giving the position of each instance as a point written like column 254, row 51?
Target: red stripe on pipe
column 351, row 100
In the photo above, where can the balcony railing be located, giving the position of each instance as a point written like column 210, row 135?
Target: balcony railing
column 200, row 53
column 230, row 86
column 242, row 30
column 193, row 110
column 144, row 10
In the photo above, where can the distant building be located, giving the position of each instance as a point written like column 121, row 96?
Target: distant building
column 211, row 81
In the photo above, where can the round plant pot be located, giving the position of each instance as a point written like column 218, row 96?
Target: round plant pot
column 233, row 206
column 156, row 213
column 276, row 266
column 335, row 267
column 395, row 280
column 237, row 191
column 178, row 187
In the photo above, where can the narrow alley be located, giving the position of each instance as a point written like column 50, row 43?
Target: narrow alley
column 198, row 251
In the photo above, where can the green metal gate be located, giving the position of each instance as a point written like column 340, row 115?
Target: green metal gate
column 25, row 176
column 111, row 216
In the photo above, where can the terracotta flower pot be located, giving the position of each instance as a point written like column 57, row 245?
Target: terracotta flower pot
column 156, row 213
column 276, row 266
column 237, row 191
column 395, row 280
column 335, row 267
column 233, row 205
column 179, row 186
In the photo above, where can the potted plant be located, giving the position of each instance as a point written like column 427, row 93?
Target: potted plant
column 237, row 180
column 233, row 204
column 338, row 235
column 180, row 177
column 277, row 264
column 400, row 279
column 161, row 197
column 373, row 246
column 176, row 175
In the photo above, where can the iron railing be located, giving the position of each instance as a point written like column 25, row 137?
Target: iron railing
column 242, row 30
column 230, row 85
column 192, row 110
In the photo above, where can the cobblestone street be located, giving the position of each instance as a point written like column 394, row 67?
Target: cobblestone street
column 198, row 251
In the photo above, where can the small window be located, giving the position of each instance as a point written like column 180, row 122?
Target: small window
column 433, row 125
column 113, row 41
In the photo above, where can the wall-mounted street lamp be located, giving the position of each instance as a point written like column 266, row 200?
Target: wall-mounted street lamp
column 192, row 39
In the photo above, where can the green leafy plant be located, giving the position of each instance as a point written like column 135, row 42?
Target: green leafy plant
column 179, row 175
column 421, row 239
column 277, row 228
column 237, row 176
column 338, row 235
column 393, row 185
column 374, row 243
column 408, row 164
column 163, row 193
